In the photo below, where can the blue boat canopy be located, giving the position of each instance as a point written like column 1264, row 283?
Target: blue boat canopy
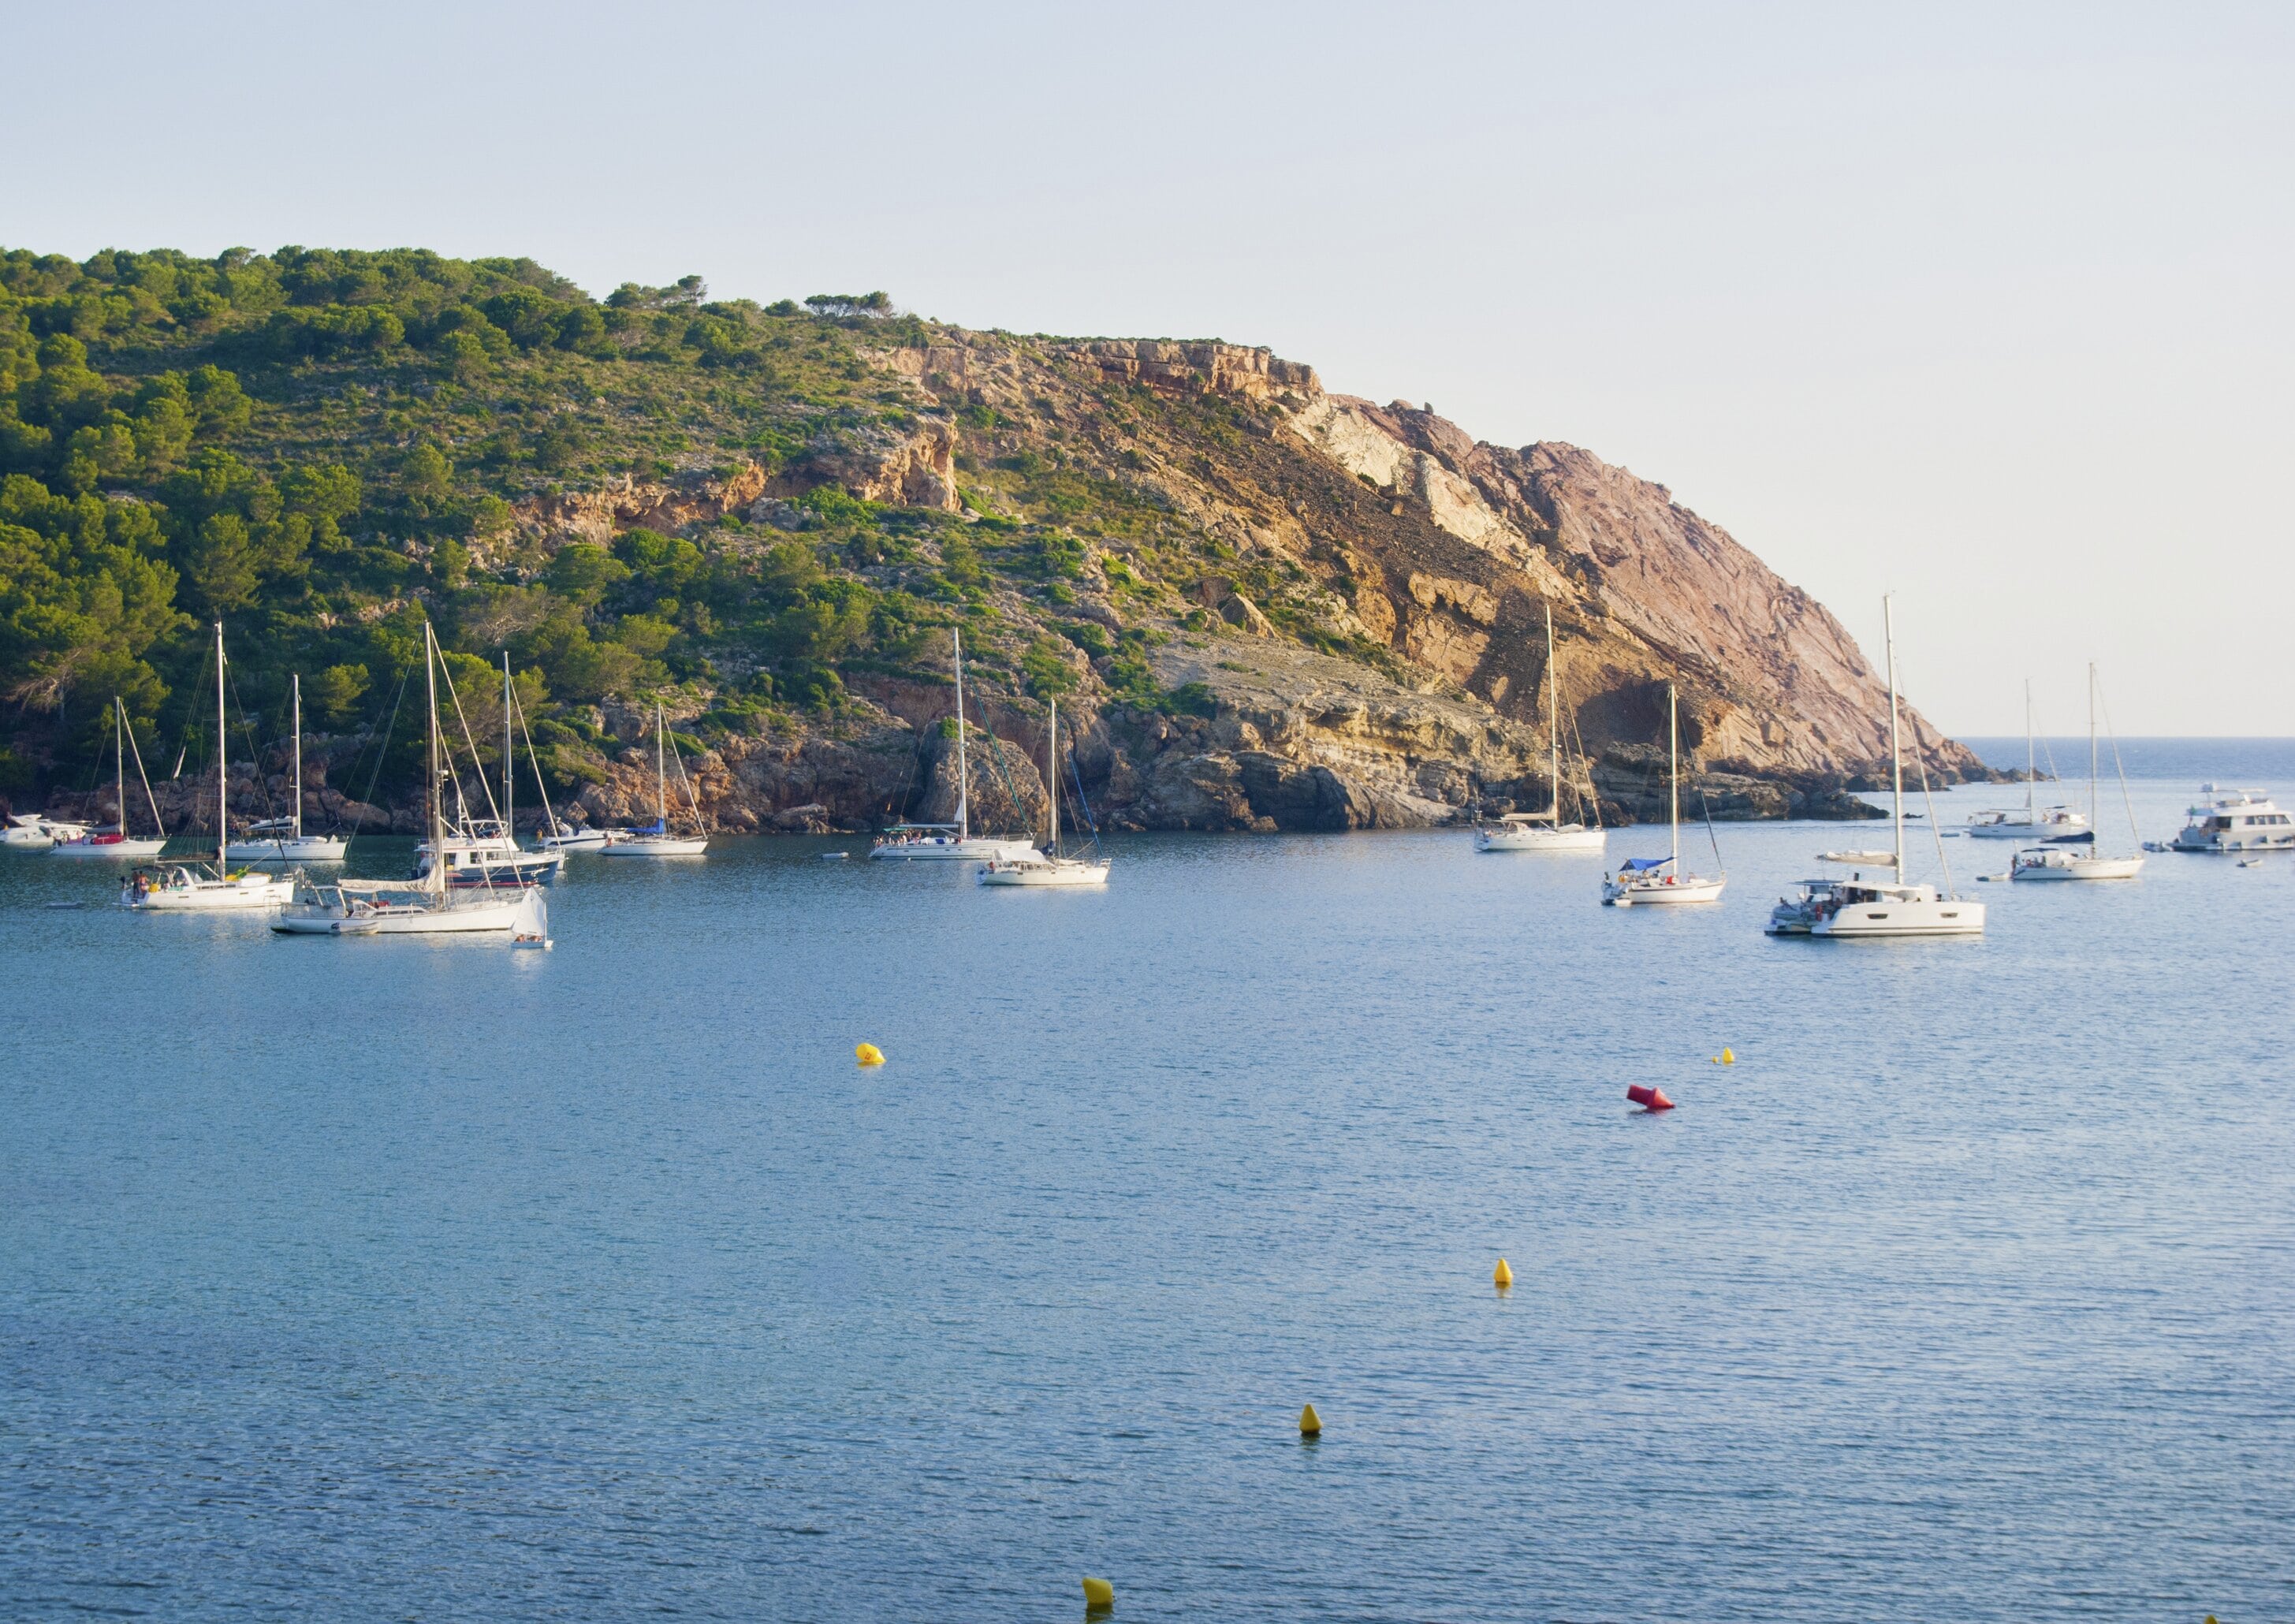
column 1638, row 864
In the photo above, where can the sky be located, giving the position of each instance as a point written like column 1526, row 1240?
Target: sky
column 1988, row 306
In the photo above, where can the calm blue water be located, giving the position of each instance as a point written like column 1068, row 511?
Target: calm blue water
column 434, row 1280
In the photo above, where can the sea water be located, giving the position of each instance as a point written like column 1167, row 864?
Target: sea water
column 434, row 1280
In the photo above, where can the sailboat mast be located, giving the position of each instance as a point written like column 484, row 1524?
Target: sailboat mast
column 1673, row 756
column 660, row 767
column 963, row 779
column 510, row 756
column 438, row 875
column 1553, row 718
column 223, row 822
column 119, row 762
column 295, row 687
column 2095, row 812
column 1895, row 755
column 2031, row 808
column 1052, row 775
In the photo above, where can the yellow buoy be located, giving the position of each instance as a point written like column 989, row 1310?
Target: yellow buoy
column 1502, row 1274
column 1729, row 1056
column 1098, row 1595
column 1309, row 1423
column 867, row 1054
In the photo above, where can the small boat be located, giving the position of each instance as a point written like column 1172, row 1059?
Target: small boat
column 203, row 888
column 655, row 840
column 2067, row 857
column 282, row 839
column 426, row 905
column 119, row 843
column 1653, row 881
column 1545, row 831
column 1861, row 909
column 572, row 838
column 951, row 842
column 1048, row 868
column 2234, row 821
column 2031, row 822
column 484, row 851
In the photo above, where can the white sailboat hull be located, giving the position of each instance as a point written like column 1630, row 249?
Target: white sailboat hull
column 937, row 848
column 187, row 893
column 294, row 848
column 656, row 845
column 1900, row 917
column 111, row 848
column 2077, row 868
column 2027, row 832
column 1539, row 837
column 523, row 914
column 1068, row 872
column 1662, row 893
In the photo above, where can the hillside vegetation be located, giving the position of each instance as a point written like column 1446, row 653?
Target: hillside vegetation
column 770, row 517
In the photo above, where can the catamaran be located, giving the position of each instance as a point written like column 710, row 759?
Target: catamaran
column 1858, row 908
column 202, row 888
column 119, row 843
column 656, row 840
column 1641, row 881
column 1545, row 831
column 426, row 905
column 282, row 839
column 2075, row 856
column 2031, row 820
column 951, row 842
column 1049, row 867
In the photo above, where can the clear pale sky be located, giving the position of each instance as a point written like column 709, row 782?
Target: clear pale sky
column 1990, row 306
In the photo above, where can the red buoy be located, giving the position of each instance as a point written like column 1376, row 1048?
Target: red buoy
column 1647, row 1098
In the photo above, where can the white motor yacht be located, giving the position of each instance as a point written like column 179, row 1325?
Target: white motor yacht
column 2234, row 821
column 656, row 840
column 202, row 888
column 119, row 843
column 1643, row 882
column 282, row 839
column 1861, row 909
column 1545, row 831
column 2075, row 856
column 32, row 832
column 1048, row 868
column 951, row 842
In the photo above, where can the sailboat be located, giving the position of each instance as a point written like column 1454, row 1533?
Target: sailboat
column 426, row 905
column 1643, row 880
column 1050, row 867
column 657, row 841
column 199, row 888
column 951, row 842
column 484, row 851
column 1545, row 831
column 2075, row 856
column 282, row 839
column 2032, row 821
column 120, row 844
column 1858, row 908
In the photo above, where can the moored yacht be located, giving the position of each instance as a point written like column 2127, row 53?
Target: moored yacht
column 2075, row 856
column 119, row 843
column 1048, row 868
column 2031, row 822
column 202, row 888
column 951, row 842
column 1545, row 831
column 1644, row 881
column 2234, row 821
column 656, row 839
column 32, row 832
column 1859, row 909
column 282, row 839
